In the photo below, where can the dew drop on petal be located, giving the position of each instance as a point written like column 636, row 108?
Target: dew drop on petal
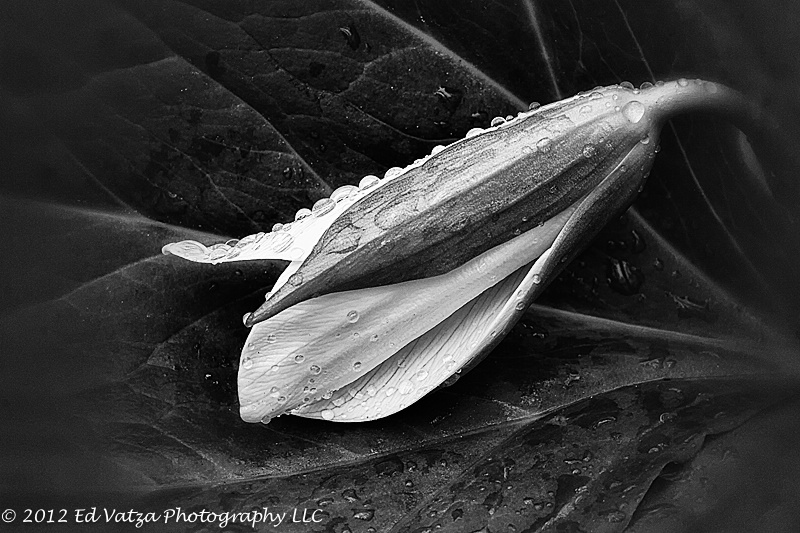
column 338, row 402
column 406, row 387
column 374, row 338
column 371, row 392
column 645, row 139
column 633, row 111
column 357, row 366
column 588, row 150
column 323, row 207
column 626, row 85
column 390, row 391
column 585, row 110
column 315, row 369
column 421, row 375
column 534, row 105
column 393, row 173
column 266, row 419
column 473, row 132
column 327, row 414
column 328, row 395
column 352, row 316
column 302, row 213
column 296, row 253
column 271, row 338
column 343, row 192
column 277, row 227
column 645, row 85
column 543, row 144
column 299, row 358
column 368, row 182
column 520, row 306
column 246, row 317
column 275, row 368
column 281, row 399
column 537, row 279
column 497, row 121
column 247, row 363
column 438, row 148
column 295, row 280
column 683, row 82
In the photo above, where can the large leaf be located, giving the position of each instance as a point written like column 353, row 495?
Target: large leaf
column 132, row 124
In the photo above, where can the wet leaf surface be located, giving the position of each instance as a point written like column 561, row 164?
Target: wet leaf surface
column 128, row 125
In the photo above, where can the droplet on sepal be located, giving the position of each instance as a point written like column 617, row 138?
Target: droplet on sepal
column 367, row 182
column 323, row 207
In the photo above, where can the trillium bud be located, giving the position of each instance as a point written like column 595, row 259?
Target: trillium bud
column 397, row 284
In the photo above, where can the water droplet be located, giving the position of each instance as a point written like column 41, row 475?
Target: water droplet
column 295, row 280
column 299, row 358
column 711, row 87
column 588, row 150
column 267, row 295
column 543, row 144
column 352, row 316
column 338, row 402
column 683, row 82
column 327, row 414
column 368, row 182
column 497, row 121
column 623, row 277
column 246, row 317
column 585, row 110
column 323, row 207
column 645, row 139
column 393, row 173
column 315, row 369
column 390, row 391
column 266, row 419
column 357, row 366
column 247, row 363
column 616, row 516
column 633, row 111
column 364, row 514
column 374, row 338
column 537, row 279
column 271, row 338
column 296, row 253
column 371, row 392
column 281, row 399
column 436, row 149
column 343, row 192
column 328, row 395
column 626, row 85
column 275, row 368
column 520, row 306
column 302, row 213
column 534, row 105
column 277, row 227
column 473, row 132
column 421, row 375
column 406, row 387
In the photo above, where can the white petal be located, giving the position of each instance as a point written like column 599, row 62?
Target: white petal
column 280, row 359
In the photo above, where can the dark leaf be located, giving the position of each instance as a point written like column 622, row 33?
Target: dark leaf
column 126, row 125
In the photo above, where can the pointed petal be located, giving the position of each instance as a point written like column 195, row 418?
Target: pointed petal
column 325, row 343
column 425, row 363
